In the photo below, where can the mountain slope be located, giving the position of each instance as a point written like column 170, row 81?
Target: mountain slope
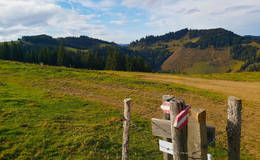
column 155, row 57
column 204, row 51
column 184, row 51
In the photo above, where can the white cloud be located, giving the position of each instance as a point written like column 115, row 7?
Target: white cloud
column 118, row 22
column 136, row 20
column 144, row 4
column 104, row 5
column 172, row 15
column 193, row 10
column 30, row 17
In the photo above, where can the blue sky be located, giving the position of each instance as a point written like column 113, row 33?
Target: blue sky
column 123, row 21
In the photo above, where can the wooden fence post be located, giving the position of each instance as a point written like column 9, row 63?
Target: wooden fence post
column 233, row 127
column 166, row 116
column 179, row 136
column 126, row 126
column 197, row 139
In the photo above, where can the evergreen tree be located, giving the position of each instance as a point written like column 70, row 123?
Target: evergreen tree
column 1, row 52
column 128, row 63
column 60, row 56
column 67, row 60
column 6, row 51
column 28, row 57
column 16, row 51
column 111, row 61
column 85, row 60
column 20, row 54
column 121, row 62
column 43, row 55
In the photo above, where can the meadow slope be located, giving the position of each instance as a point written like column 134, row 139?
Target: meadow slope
column 64, row 113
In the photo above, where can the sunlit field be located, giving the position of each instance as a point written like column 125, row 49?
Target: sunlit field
column 63, row 113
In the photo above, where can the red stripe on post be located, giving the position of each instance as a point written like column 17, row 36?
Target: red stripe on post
column 182, row 118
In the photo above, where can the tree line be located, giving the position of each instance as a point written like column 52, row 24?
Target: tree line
column 247, row 53
column 59, row 56
column 148, row 40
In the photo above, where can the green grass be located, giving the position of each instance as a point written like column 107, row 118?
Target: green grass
column 40, row 125
column 241, row 76
column 36, row 123
column 203, row 68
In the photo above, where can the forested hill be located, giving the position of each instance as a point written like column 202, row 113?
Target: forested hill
column 216, row 37
column 204, row 51
column 82, row 42
column 78, row 52
column 184, row 51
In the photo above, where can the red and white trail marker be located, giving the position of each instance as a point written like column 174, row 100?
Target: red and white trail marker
column 181, row 119
column 166, row 107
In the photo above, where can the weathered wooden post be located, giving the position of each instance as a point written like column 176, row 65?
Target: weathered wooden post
column 126, row 126
column 233, row 127
column 197, row 139
column 166, row 116
column 179, row 136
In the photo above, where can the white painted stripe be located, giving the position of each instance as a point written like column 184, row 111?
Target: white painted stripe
column 177, row 124
column 165, row 107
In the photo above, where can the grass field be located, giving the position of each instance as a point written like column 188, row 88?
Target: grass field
column 62, row 113
column 242, row 76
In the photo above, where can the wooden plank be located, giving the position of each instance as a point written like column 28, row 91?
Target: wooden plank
column 165, row 147
column 161, row 128
column 234, row 127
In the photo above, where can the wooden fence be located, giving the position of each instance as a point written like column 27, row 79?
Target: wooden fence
column 184, row 132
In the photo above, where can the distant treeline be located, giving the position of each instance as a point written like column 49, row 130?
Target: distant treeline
column 148, row 40
column 111, row 60
column 82, row 42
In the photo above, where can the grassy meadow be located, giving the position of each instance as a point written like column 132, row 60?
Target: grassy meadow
column 51, row 112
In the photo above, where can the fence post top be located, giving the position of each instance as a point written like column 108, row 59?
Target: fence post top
column 233, row 98
column 168, row 96
column 127, row 100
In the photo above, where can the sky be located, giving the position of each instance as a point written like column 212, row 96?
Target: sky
column 123, row 21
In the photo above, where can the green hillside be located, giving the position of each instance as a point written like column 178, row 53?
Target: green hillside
column 204, row 51
column 184, row 51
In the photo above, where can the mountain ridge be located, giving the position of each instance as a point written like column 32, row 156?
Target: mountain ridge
column 218, row 49
column 183, row 51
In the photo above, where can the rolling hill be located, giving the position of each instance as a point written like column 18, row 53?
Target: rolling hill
column 204, row 51
column 80, row 43
column 185, row 51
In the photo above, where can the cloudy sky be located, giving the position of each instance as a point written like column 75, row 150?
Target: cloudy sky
column 123, row 21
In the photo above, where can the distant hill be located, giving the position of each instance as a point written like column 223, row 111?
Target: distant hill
column 77, row 52
column 82, row 42
column 86, row 44
column 254, row 37
column 184, row 51
column 203, row 51
column 123, row 44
